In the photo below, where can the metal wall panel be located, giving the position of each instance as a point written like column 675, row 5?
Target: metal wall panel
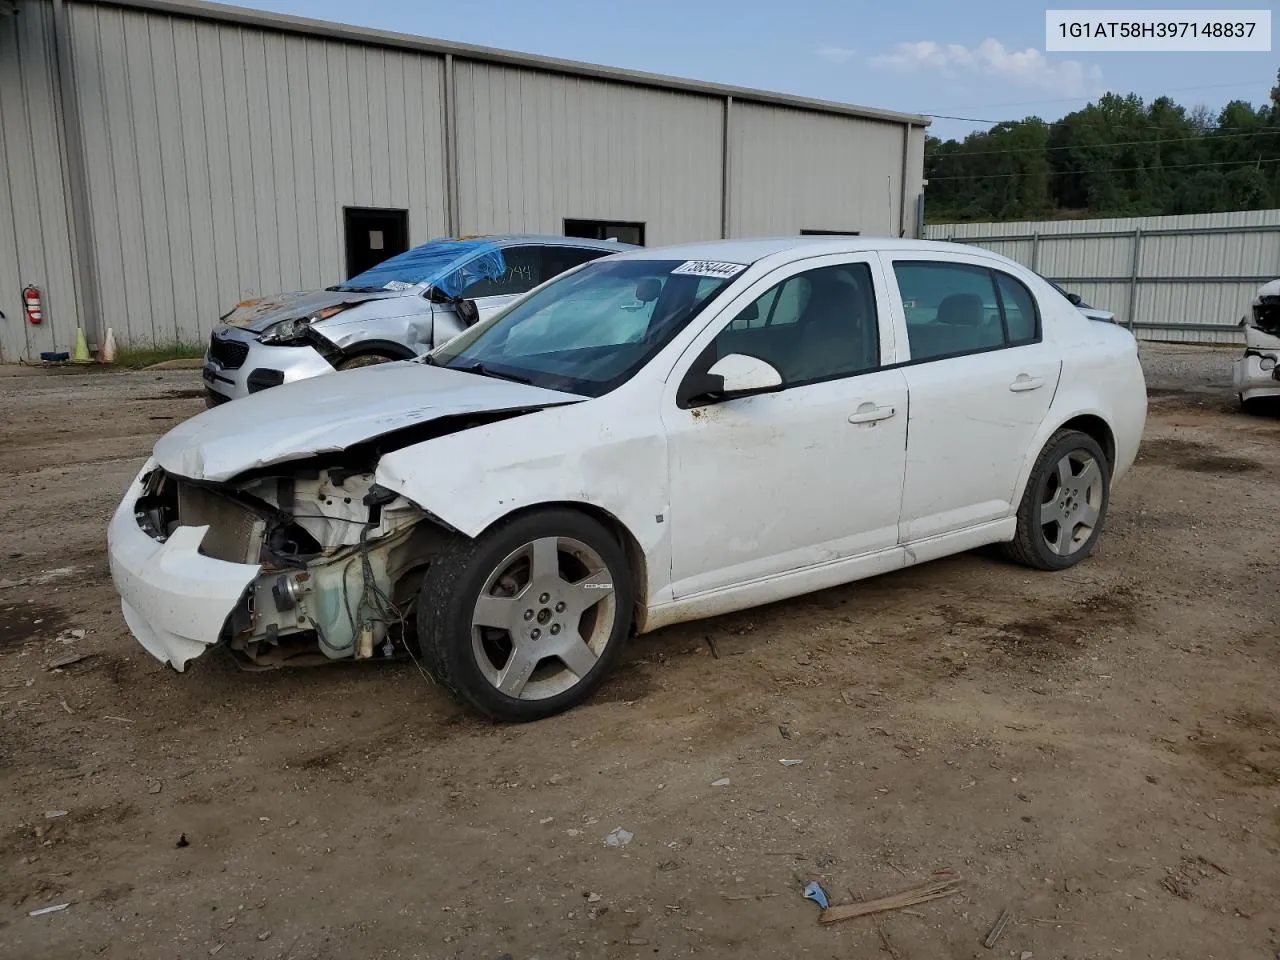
column 796, row 170
column 220, row 146
column 35, row 239
column 220, row 158
column 536, row 148
column 1172, row 277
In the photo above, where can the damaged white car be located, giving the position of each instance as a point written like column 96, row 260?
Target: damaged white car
column 657, row 436
column 1257, row 373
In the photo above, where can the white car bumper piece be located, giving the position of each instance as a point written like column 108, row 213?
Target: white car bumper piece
column 1252, row 381
column 174, row 599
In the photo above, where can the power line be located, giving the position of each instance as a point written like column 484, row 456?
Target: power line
column 1032, row 103
column 1066, row 173
column 1205, row 138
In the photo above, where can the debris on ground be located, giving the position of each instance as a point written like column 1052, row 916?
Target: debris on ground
column 711, row 644
column 997, row 929
column 183, row 841
column 618, row 837
column 156, row 787
column 790, row 763
column 54, row 814
column 71, row 636
column 722, row 782
column 53, row 909
column 813, row 891
column 894, row 901
column 593, row 898
column 785, row 731
column 67, row 661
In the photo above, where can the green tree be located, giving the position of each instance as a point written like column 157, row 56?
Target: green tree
column 1117, row 156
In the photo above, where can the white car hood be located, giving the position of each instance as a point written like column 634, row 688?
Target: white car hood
column 1269, row 289
column 328, row 414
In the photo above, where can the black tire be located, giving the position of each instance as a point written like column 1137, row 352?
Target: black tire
column 451, row 645
column 1031, row 544
column 364, row 360
column 1259, row 406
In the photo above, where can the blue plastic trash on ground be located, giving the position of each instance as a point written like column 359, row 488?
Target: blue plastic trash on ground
column 813, row 891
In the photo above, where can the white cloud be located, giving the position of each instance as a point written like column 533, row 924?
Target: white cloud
column 1030, row 66
column 836, row 54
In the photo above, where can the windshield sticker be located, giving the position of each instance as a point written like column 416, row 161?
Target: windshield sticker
column 398, row 285
column 709, row 268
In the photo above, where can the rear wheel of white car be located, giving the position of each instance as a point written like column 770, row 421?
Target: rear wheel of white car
column 364, row 360
column 1065, row 503
column 526, row 620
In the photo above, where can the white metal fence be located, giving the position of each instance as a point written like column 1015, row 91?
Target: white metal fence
column 1187, row 278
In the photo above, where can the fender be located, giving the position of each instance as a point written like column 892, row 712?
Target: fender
column 616, row 462
column 1114, row 392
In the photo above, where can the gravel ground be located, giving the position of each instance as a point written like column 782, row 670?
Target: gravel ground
column 1188, row 369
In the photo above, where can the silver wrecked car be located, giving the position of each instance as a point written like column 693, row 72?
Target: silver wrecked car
column 396, row 310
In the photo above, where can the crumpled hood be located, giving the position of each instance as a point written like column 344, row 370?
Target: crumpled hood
column 328, row 414
column 258, row 314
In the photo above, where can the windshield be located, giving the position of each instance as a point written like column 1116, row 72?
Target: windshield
column 591, row 330
column 449, row 266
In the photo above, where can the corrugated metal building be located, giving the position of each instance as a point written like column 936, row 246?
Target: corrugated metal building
column 164, row 159
column 1186, row 278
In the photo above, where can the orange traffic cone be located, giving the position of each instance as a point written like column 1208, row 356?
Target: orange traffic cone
column 108, row 352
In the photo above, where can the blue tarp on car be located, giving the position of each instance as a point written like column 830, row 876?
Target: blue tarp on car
column 449, row 266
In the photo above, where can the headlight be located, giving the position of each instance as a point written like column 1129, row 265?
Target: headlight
column 1267, row 364
column 286, row 330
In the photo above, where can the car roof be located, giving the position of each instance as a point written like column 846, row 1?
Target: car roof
column 753, row 250
column 533, row 239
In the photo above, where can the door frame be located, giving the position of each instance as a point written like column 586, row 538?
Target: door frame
column 347, row 211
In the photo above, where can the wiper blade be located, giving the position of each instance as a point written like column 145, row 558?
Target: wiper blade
column 482, row 370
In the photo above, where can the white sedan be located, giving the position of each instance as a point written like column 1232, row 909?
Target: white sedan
column 657, row 436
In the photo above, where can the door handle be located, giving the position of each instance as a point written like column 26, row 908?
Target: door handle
column 1023, row 383
column 870, row 413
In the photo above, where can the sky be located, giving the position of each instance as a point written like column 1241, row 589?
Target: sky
column 981, row 61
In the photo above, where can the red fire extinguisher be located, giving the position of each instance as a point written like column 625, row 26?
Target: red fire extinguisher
column 31, row 300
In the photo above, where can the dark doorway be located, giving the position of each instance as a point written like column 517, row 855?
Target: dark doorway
column 624, row 231
column 373, row 236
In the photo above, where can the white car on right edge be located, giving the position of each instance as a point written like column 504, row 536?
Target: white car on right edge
column 1257, row 373
column 655, row 436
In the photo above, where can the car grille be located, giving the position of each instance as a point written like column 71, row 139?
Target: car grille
column 229, row 354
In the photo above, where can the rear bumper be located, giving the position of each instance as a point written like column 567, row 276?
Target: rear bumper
column 174, row 599
column 264, row 366
column 1251, row 380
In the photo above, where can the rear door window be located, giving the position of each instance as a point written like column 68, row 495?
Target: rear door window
column 954, row 309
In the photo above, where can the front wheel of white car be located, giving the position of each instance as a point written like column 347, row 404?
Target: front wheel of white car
column 1064, row 504
column 527, row 619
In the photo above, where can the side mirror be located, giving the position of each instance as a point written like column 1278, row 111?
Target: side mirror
column 467, row 312
column 736, row 375
column 1075, row 299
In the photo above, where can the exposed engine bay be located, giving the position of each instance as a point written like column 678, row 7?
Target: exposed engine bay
column 337, row 556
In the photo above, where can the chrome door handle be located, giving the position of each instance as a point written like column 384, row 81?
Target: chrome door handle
column 870, row 413
column 1023, row 383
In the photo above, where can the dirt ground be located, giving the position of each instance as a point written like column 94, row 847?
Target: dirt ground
column 1097, row 751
